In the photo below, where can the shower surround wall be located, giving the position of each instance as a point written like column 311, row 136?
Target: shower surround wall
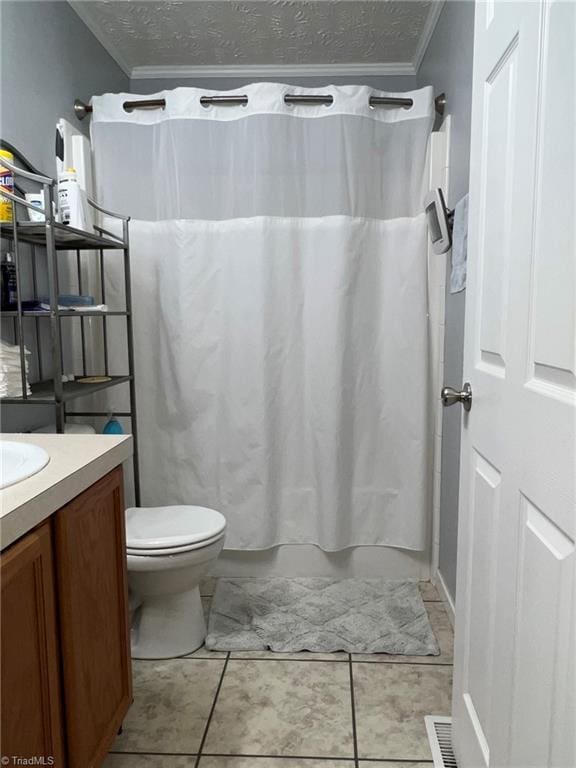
column 326, row 285
column 447, row 65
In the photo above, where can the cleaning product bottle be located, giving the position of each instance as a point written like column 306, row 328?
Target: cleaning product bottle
column 9, row 298
column 7, row 183
column 112, row 426
column 70, row 208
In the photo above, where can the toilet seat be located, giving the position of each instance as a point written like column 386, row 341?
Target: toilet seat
column 169, row 530
column 157, row 552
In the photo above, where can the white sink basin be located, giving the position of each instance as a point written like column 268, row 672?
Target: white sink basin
column 19, row 461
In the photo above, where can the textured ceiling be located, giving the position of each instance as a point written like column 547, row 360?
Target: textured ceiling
column 224, row 33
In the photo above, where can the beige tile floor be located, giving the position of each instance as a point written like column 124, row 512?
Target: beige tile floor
column 268, row 710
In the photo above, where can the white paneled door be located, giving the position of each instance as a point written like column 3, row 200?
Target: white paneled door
column 514, row 687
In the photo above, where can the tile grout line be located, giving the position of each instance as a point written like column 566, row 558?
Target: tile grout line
column 152, row 754
column 278, row 757
column 394, row 760
column 234, row 754
column 212, row 708
column 354, row 734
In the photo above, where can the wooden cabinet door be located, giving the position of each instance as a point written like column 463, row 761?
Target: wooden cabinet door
column 93, row 603
column 31, row 720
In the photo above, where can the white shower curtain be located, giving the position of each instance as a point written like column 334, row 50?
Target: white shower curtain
column 279, row 288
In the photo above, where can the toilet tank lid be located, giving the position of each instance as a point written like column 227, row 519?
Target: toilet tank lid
column 164, row 527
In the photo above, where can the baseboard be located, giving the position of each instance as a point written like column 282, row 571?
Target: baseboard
column 440, row 585
column 307, row 560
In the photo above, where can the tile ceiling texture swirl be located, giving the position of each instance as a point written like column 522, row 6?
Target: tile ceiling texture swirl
column 160, row 39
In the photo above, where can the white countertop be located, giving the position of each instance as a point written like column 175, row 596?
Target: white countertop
column 76, row 463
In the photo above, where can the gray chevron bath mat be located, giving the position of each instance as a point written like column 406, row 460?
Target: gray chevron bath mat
column 321, row 615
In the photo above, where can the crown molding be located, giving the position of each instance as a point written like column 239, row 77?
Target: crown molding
column 273, row 70
column 427, row 32
column 80, row 7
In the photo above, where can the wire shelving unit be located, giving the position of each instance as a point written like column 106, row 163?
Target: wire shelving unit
column 55, row 238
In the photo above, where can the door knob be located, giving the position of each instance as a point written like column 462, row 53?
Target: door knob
column 450, row 396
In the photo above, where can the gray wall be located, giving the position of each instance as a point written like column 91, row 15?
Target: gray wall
column 447, row 66
column 48, row 58
column 391, row 83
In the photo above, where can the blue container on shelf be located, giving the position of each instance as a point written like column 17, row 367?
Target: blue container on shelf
column 112, row 426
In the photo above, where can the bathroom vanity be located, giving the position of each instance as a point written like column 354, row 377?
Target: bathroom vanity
column 65, row 652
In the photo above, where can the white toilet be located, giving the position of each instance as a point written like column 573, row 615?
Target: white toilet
column 169, row 550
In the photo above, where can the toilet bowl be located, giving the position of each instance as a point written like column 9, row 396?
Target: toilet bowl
column 169, row 550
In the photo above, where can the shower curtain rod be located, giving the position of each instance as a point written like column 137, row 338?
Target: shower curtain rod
column 81, row 109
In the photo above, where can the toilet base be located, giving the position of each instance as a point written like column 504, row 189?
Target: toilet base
column 168, row 626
